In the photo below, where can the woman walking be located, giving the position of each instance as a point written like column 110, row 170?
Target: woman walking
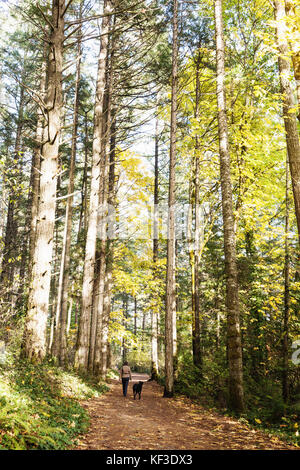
column 125, row 376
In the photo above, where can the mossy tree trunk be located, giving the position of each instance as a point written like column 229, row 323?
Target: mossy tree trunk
column 236, row 391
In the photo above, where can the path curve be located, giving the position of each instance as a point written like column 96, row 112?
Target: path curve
column 157, row 423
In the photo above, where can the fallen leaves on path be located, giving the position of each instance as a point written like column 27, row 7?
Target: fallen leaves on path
column 157, row 423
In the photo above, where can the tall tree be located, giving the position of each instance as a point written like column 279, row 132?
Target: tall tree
column 290, row 7
column 105, row 347
column 155, row 309
column 82, row 349
column 287, row 300
column 63, row 288
column 288, row 105
column 170, row 322
column 36, row 161
column 8, row 264
column 34, row 346
column 197, row 357
column 232, row 298
column 104, row 274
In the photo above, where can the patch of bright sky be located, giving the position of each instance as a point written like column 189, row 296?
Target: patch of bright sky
column 143, row 144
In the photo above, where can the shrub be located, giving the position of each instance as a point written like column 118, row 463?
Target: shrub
column 40, row 408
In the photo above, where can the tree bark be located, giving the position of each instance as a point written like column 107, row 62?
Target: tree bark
column 232, row 299
column 170, row 324
column 197, row 357
column 36, row 164
column 106, row 311
column 8, row 262
column 135, row 317
column 291, row 13
column 84, row 185
column 103, row 281
column 289, row 112
column 62, row 301
column 82, row 349
column 109, row 246
column 102, row 224
column 34, row 346
column 285, row 342
column 155, row 311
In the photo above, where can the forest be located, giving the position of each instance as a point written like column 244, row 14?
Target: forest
column 150, row 214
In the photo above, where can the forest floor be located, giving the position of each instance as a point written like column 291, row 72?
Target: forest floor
column 157, row 423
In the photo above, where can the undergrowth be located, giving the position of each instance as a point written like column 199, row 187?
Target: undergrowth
column 39, row 406
column 265, row 408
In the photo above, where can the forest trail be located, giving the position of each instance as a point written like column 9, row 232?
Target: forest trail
column 157, row 423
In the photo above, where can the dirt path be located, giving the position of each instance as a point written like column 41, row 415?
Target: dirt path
column 157, row 423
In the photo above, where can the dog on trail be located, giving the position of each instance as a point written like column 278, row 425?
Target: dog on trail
column 137, row 389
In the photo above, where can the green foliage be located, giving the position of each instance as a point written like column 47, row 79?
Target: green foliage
column 267, row 410
column 208, row 385
column 189, row 382
column 40, row 408
column 139, row 360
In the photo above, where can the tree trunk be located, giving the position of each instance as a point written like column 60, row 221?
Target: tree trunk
column 53, row 288
column 105, row 246
column 82, row 349
column 84, row 186
column 62, row 301
column 232, row 299
column 195, row 262
column 10, row 242
column 125, row 315
column 93, row 328
column 197, row 357
column 36, row 164
column 106, row 311
column 171, row 242
column 135, row 317
column 291, row 12
column 155, row 309
column 109, row 358
column 34, row 346
column 109, row 246
column 289, row 111
column 285, row 342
